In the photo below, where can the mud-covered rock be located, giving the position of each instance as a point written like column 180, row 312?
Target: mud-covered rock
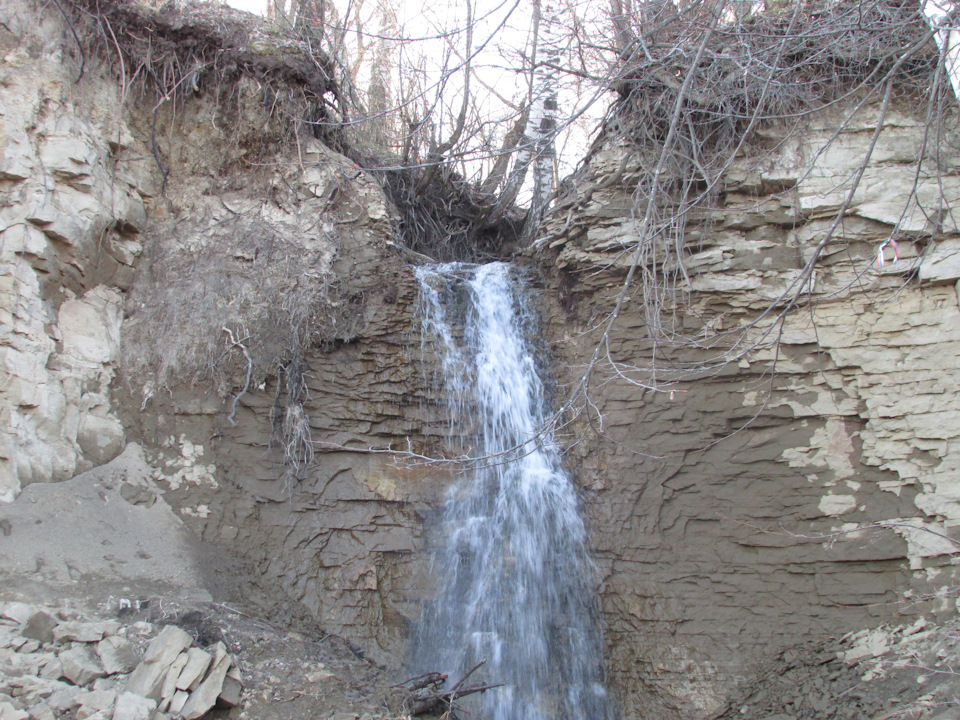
column 39, row 626
column 82, row 535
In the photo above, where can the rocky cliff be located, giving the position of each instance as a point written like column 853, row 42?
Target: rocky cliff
column 73, row 211
column 186, row 278
column 764, row 476
column 174, row 280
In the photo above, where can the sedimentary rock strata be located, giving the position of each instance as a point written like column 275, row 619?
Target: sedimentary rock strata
column 728, row 492
column 229, row 339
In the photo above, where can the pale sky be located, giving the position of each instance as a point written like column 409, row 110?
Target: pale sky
column 501, row 36
column 254, row 6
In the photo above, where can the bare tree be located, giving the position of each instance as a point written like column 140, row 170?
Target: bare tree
column 694, row 81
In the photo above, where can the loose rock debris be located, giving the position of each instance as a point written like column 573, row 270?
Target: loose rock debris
column 55, row 665
column 161, row 658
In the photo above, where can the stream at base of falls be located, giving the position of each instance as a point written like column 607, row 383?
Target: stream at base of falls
column 515, row 586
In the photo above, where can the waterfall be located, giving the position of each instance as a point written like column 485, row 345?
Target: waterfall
column 514, row 579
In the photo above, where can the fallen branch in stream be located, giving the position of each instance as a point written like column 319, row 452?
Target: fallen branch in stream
column 426, row 696
column 445, row 701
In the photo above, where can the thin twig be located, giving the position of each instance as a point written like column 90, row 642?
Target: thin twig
column 235, row 342
column 83, row 56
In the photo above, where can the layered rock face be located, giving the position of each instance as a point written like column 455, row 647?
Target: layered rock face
column 73, row 207
column 239, row 312
column 289, row 463
column 728, row 493
column 244, row 317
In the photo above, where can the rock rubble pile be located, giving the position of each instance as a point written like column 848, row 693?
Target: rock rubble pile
column 56, row 664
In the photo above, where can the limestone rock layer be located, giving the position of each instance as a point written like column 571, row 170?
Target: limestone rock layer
column 756, row 484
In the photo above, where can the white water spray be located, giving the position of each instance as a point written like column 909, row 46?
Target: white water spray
column 511, row 562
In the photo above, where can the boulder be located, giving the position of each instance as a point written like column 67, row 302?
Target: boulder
column 31, row 690
column 18, row 612
column 39, row 626
column 131, row 706
column 100, row 437
column 9, row 712
column 41, row 711
column 65, row 698
column 52, row 669
column 81, row 665
column 231, row 691
column 148, row 677
column 205, row 696
column 117, row 655
column 179, row 699
column 197, row 663
column 169, row 686
column 87, row 632
column 98, row 700
column 166, row 646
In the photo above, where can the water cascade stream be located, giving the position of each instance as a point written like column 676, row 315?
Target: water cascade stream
column 515, row 582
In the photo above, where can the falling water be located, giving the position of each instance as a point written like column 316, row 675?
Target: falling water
column 511, row 564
